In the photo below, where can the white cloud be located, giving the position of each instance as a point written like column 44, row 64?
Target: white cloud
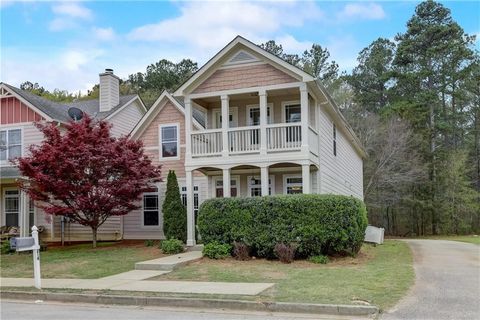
column 292, row 45
column 105, row 34
column 367, row 11
column 68, row 15
column 207, row 25
column 72, row 9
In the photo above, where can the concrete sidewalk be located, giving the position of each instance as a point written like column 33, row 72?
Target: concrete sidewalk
column 170, row 262
column 121, row 282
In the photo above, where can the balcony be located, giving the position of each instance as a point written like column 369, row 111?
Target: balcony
column 247, row 140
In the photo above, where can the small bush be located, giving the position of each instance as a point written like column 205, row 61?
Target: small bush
column 148, row 243
column 319, row 259
column 171, row 246
column 215, row 250
column 241, row 251
column 318, row 224
column 285, row 253
column 5, row 248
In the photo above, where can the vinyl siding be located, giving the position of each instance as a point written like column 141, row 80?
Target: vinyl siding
column 124, row 121
column 341, row 174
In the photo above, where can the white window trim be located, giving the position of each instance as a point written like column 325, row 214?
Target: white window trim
column 288, row 103
column 7, row 163
column 232, row 111
column 217, row 178
column 286, row 176
column 4, row 206
column 160, row 149
column 271, row 185
column 257, row 106
column 143, row 226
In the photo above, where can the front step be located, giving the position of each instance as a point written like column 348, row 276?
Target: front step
column 169, row 263
column 198, row 247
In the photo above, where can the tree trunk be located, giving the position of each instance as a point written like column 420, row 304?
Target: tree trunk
column 94, row 237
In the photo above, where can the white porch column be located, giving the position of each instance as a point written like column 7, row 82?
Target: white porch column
column 263, row 121
column 23, row 217
column 304, row 115
column 188, row 128
column 190, row 213
column 306, row 186
column 225, row 124
column 264, row 180
column 226, row 183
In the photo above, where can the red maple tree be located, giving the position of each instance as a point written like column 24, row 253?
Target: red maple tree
column 85, row 174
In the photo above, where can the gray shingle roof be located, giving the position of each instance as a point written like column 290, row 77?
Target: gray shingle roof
column 196, row 114
column 59, row 111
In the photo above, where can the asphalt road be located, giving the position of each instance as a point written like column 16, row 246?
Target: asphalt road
column 15, row 310
column 447, row 284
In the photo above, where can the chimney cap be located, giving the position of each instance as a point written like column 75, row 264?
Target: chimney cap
column 108, row 70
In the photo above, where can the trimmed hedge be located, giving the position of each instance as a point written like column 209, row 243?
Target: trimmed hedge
column 318, row 224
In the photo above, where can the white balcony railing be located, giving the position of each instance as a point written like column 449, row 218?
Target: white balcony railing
column 207, row 143
column 284, row 136
column 244, row 140
column 280, row 137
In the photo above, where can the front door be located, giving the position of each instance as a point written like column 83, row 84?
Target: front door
column 233, row 118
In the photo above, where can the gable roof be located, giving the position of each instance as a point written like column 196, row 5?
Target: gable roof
column 59, row 111
column 154, row 109
column 239, row 41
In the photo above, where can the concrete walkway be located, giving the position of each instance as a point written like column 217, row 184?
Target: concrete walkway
column 447, row 282
column 170, row 262
column 120, row 283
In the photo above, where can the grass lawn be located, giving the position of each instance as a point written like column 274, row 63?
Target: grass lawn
column 470, row 239
column 79, row 261
column 379, row 275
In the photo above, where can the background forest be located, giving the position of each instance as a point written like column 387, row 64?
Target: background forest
column 414, row 102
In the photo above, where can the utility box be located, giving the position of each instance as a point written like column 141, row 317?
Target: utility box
column 23, row 243
column 374, row 235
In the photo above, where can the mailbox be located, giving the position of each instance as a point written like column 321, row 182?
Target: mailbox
column 23, row 243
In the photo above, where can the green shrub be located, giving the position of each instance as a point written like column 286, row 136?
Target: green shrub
column 171, row 246
column 319, row 259
column 174, row 212
column 215, row 250
column 318, row 224
column 148, row 243
column 5, row 248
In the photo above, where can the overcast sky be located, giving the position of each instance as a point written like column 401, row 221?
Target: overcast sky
column 66, row 44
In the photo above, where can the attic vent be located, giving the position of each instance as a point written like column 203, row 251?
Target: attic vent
column 241, row 57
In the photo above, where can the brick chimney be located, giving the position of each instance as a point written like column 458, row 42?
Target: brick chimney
column 109, row 90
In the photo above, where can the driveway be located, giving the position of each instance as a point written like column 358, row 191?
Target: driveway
column 447, row 284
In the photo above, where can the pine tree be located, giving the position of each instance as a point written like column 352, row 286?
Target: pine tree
column 174, row 212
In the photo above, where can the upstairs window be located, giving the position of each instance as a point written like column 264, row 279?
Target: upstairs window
column 169, row 141
column 10, row 144
column 334, row 140
column 293, row 113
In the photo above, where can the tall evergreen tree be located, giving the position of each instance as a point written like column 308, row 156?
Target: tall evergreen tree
column 174, row 212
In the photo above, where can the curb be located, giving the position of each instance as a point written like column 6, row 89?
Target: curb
column 286, row 307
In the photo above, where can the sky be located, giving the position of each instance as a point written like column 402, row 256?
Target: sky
column 66, row 44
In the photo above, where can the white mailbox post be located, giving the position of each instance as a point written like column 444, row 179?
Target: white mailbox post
column 30, row 243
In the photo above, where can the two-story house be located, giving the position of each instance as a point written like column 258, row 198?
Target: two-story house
column 19, row 110
column 246, row 124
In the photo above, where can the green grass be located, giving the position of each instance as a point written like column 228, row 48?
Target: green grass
column 470, row 239
column 379, row 275
column 79, row 261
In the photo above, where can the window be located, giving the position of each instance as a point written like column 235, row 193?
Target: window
column 253, row 115
column 219, row 188
column 255, row 186
column 293, row 184
column 334, row 140
column 292, row 113
column 31, row 213
column 10, row 144
column 169, row 140
column 150, row 209
column 12, row 207
column 183, row 192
